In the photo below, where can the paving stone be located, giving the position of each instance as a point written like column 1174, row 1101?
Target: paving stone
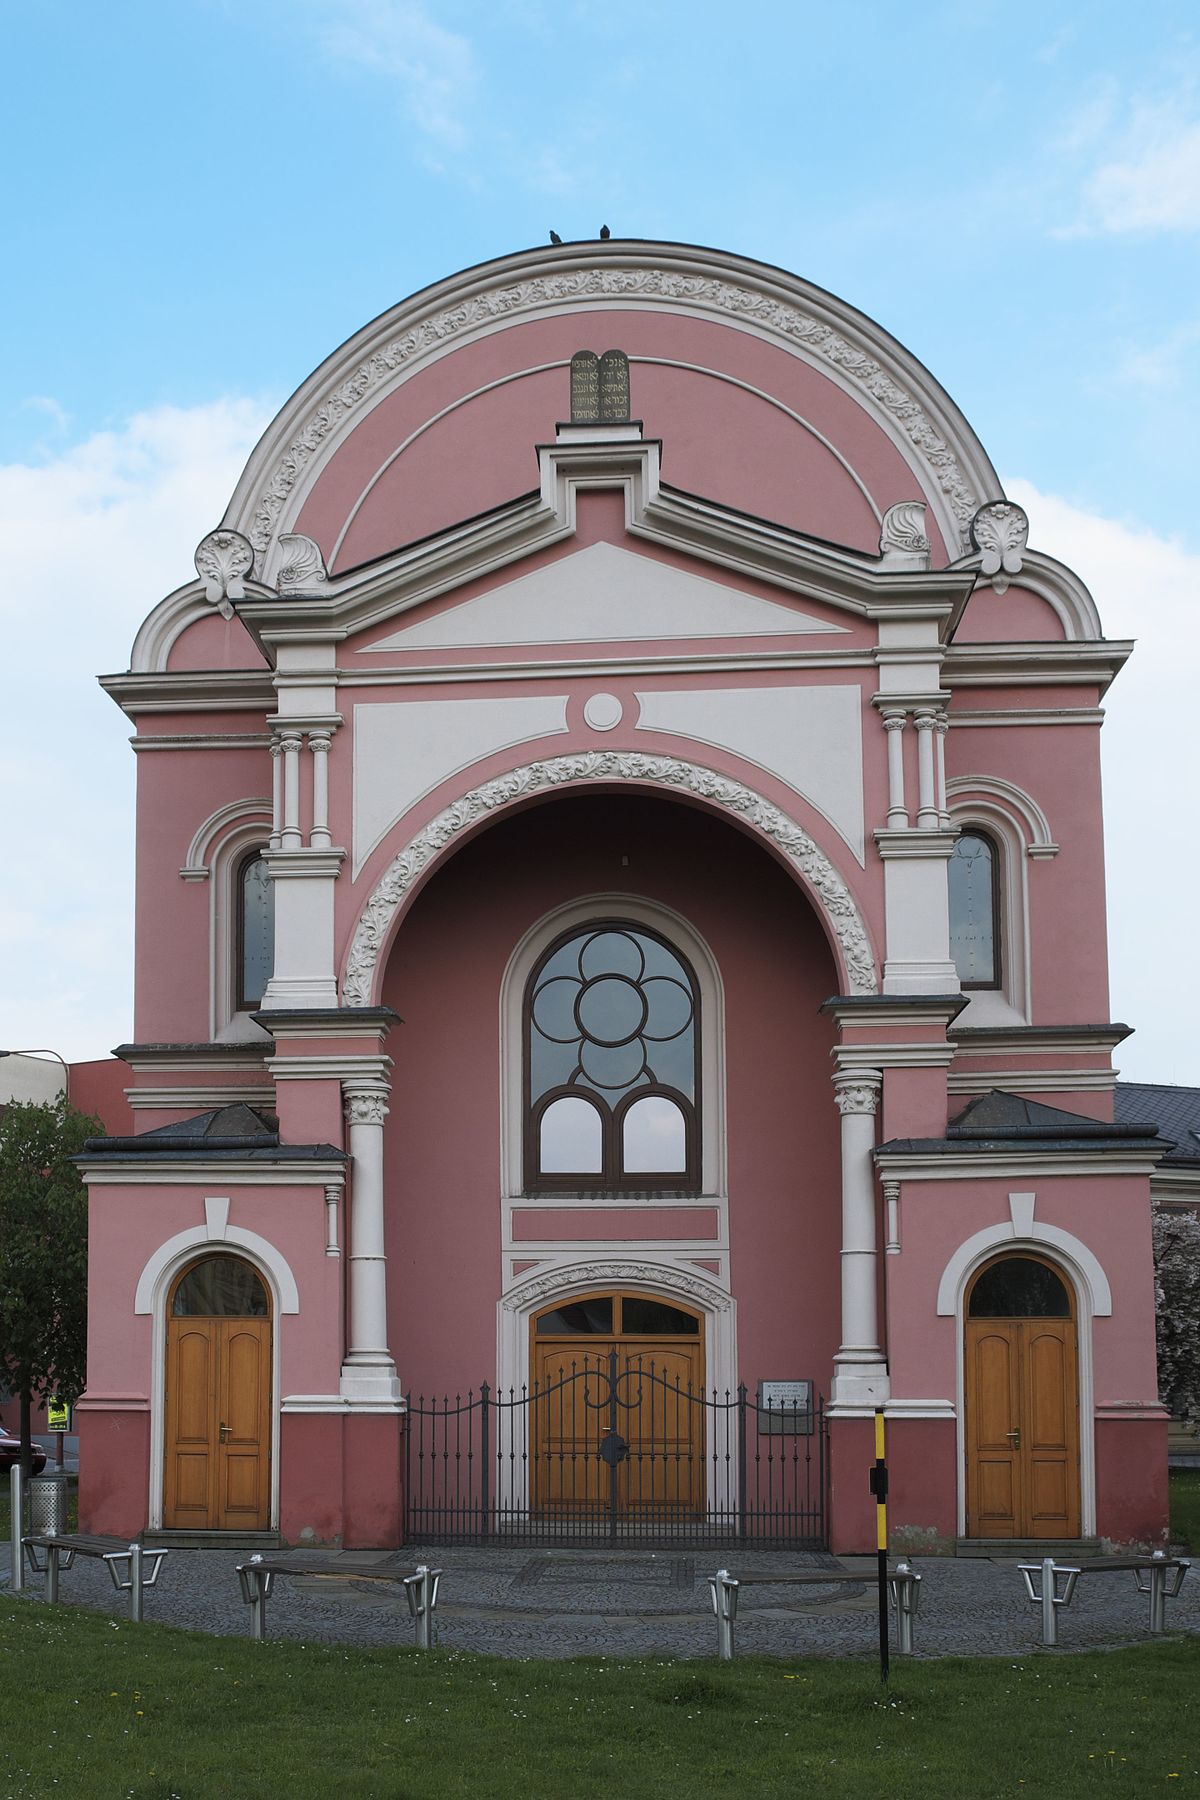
column 561, row 1603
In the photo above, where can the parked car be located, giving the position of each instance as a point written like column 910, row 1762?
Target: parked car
column 10, row 1453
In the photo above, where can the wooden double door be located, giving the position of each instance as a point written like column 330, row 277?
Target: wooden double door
column 618, row 1409
column 1022, row 1403
column 217, row 1473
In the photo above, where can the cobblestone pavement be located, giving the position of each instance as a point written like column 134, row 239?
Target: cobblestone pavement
column 576, row 1602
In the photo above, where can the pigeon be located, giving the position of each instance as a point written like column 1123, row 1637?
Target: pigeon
column 554, row 238
column 605, row 232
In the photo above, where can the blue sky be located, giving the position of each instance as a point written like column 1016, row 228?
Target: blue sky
column 204, row 199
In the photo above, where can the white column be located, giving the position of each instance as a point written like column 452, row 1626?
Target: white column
column 319, row 836
column 860, row 1375
column 331, row 1220
column 897, row 816
column 368, row 1373
column 891, row 1204
column 941, row 727
column 291, row 746
column 927, row 807
column 276, row 794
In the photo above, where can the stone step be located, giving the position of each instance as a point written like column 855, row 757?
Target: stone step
column 212, row 1540
column 1028, row 1549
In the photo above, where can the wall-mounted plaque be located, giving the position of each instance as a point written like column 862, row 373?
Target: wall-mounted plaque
column 614, row 387
column 585, row 387
column 785, row 1407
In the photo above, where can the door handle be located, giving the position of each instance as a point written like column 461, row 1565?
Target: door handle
column 1014, row 1437
column 226, row 1431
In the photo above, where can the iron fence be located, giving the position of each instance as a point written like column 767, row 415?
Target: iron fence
column 615, row 1450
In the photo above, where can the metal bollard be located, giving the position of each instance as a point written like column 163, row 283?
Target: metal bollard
column 135, row 1583
column 52, row 1573
column 904, row 1587
column 422, row 1592
column 1157, row 1587
column 256, row 1588
column 1049, row 1598
column 16, row 1490
column 724, row 1604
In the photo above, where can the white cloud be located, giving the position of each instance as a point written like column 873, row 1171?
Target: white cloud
column 1150, row 181
column 1159, row 365
column 434, row 68
column 93, row 539
column 1147, row 588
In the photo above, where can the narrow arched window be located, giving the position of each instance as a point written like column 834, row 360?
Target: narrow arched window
column 255, row 931
column 975, row 910
column 612, row 1063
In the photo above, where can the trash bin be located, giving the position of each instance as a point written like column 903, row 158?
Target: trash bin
column 49, row 1498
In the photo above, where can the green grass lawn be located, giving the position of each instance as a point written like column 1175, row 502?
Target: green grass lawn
column 100, row 1708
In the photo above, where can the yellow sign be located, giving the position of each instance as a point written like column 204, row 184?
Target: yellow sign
column 58, row 1415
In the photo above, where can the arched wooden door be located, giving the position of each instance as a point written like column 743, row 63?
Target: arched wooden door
column 217, row 1474
column 618, row 1408
column 1022, row 1402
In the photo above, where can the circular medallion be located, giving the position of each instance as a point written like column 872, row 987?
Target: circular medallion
column 602, row 712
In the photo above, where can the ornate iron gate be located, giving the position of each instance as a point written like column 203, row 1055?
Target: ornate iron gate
column 613, row 1450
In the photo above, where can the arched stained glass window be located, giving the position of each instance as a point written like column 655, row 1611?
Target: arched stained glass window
column 1019, row 1287
column 975, row 910
column 256, row 931
column 612, row 1063
column 220, row 1287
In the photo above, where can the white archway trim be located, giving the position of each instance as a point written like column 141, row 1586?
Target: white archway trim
column 817, row 874
column 1021, row 807
column 1016, row 1233
column 196, row 862
column 849, row 349
column 151, row 1283
column 678, row 932
column 649, row 1273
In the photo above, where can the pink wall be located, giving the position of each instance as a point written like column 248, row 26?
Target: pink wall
column 443, row 1133
column 99, row 1088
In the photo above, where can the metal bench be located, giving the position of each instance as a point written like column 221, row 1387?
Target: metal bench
column 258, row 1576
column 1164, row 1579
column 904, row 1591
column 133, row 1569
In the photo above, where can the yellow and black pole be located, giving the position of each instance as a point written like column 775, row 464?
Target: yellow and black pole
column 879, row 1487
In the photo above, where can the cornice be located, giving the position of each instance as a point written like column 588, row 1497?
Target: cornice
column 846, row 346
column 1039, row 1040
column 960, row 1165
column 1052, row 664
column 185, row 1171
column 218, row 690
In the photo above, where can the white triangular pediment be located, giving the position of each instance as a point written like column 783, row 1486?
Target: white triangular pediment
column 604, row 594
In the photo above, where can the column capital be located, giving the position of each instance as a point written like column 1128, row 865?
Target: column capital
column 857, row 1090
column 365, row 1105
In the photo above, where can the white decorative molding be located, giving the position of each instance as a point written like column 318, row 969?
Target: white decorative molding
column 903, row 543
column 216, row 1216
column 615, row 1270
column 810, row 738
column 604, row 594
column 257, row 1250
column 223, row 560
column 1000, row 531
column 857, row 1093
column 403, row 749
column 852, row 352
column 196, row 862
column 602, row 712
column 303, row 566
column 1025, row 811
column 366, row 1108
column 1033, row 1235
column 817, row 873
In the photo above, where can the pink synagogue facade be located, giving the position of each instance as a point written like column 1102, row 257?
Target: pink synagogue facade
column 620, row 918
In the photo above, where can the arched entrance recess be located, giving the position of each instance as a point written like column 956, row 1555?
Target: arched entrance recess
column 787, row 840
column 1021, row 1395
column 217, row 1449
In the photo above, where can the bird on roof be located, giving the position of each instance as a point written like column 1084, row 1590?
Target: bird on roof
column 605, row 232
column 554, row 238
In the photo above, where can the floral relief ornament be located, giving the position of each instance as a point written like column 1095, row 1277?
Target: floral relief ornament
column 1000, row 532
column 223, row 560
column 814, row 866
column 789, row 320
